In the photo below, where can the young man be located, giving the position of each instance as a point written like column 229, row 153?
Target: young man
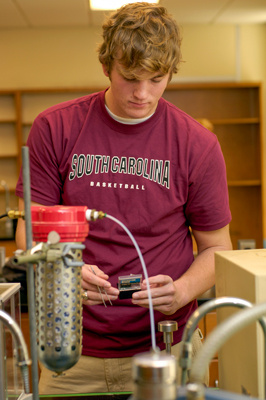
column 135, row 156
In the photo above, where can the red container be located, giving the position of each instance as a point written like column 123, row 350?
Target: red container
column 68, row 221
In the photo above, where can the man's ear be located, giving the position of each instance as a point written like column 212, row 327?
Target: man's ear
column 106, row 73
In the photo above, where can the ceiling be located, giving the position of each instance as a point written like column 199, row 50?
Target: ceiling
column 76, row 13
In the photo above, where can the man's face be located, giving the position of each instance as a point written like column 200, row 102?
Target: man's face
column 137, row 98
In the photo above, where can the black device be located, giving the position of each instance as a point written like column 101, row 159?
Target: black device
column 129, row 284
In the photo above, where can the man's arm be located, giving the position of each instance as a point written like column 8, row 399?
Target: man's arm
column 201, row 275
column 168, row 295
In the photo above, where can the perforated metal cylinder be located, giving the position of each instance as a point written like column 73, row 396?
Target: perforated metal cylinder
column 60, row 231
column 59, row 311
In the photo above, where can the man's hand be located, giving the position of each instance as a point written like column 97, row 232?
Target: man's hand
column 94, row 279
column 168, row 295
column 164, row 295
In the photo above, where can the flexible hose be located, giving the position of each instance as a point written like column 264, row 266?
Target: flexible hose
column 192, row 323
column 22, row 351
column 153, row 339
column 207, row 307
column 220, row 335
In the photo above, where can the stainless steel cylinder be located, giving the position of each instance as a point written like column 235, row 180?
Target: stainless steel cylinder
column 154, row 376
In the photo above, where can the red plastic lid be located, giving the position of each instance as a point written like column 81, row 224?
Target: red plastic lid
column 68, row 221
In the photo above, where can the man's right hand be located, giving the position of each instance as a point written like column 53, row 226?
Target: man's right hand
column 96, row 286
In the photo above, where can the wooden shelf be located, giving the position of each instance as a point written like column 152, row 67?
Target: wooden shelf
column 235, row 121
column 11, row 189
column 9, row 155
column 244, row 183
column 8, row 121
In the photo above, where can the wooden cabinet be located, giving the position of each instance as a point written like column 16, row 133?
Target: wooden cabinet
column 234, row 109
column 10, row 144
column 206, row 325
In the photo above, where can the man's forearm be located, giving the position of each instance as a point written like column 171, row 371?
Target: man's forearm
column 199, row 278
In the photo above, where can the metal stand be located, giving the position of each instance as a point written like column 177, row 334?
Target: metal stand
column 30, row 273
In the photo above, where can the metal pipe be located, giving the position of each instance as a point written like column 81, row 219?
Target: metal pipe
column 22, row 351
column 30, row 273
column 221, row 334
column 186, row 349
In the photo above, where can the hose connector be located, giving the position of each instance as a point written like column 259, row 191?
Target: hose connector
column 92, row 215
column 13, row 214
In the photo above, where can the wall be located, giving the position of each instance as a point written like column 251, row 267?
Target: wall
column 208, row 53
column 67, row 57
column 49, row 58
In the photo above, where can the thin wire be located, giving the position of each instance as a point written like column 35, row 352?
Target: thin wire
column 99, row 290
column 108, row 297
column 153, row 339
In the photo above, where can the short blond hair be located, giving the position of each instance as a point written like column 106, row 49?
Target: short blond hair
column 141, row 36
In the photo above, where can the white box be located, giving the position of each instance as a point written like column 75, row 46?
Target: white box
column 242, row 274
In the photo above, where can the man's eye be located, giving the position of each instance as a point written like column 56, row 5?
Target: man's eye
column 157, row 80
column 130, row 79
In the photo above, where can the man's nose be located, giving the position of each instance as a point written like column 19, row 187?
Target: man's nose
column 141, row 89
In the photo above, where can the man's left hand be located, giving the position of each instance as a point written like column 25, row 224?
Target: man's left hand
column 164, row 295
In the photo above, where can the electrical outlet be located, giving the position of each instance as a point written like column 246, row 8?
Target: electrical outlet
column 246, row 244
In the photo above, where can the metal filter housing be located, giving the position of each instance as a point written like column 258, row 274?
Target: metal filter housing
column 59, row 313
column 58, row 284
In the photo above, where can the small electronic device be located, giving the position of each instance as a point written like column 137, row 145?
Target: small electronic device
column 129, row 284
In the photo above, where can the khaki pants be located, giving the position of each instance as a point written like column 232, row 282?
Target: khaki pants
column 101, row 375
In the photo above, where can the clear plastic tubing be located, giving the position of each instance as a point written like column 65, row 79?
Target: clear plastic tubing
column 153, row 339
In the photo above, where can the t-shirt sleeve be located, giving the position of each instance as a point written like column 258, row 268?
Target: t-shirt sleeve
column 207, row 207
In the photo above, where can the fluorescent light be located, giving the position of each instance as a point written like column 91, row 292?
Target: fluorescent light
column 113, row 4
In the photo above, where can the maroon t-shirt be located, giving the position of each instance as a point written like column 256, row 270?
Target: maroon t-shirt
column 158, row 177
